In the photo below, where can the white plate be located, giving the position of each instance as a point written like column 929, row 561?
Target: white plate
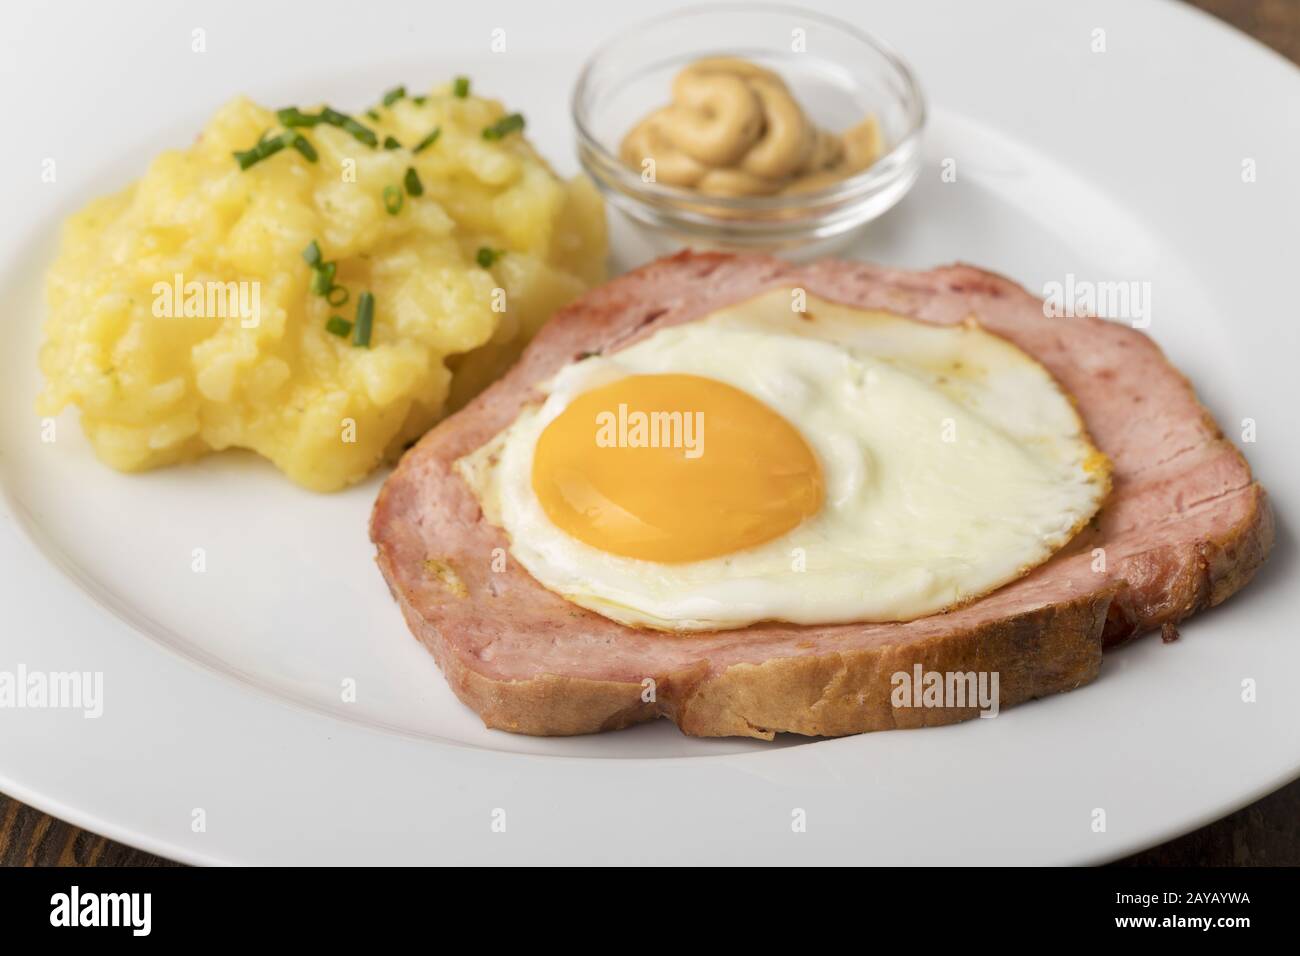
column 222, row 689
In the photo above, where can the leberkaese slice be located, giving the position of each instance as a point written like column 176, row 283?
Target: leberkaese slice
column 1185, row 527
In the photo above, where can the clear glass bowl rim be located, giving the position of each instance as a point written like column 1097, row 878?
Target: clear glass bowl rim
column 841, row 190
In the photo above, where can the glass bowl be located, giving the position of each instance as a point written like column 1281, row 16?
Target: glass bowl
column 838, row 73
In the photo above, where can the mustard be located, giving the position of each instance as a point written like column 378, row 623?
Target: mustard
column 734, row 129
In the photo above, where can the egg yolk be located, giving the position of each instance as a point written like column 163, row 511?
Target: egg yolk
column 674, row 468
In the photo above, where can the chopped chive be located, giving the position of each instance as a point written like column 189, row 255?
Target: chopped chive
column 337, row 325
column 337, row 295
column 307, row 149
column 365, row 319
column 512, row 123
column 322, row 278
column 312, row 254
column 487, row 256
column 413, row 184
column 393, row 95
column 373, row 114
column 393, row 200
column 292, row 117
column 264, row 148
column 428, row 141
column 419, row 100
column 390, row 143
column 346, row 123
column 460, row 87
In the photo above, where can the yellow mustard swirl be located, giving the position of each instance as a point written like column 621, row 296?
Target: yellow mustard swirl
column 734, row 129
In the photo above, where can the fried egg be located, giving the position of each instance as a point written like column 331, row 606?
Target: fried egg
column 813, row 465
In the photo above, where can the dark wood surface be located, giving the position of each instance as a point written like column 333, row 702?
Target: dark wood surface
column 1266, row 833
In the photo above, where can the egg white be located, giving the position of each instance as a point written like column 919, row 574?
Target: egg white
column 952, row 461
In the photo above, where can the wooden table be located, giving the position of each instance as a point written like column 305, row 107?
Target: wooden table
column 1266, row 833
